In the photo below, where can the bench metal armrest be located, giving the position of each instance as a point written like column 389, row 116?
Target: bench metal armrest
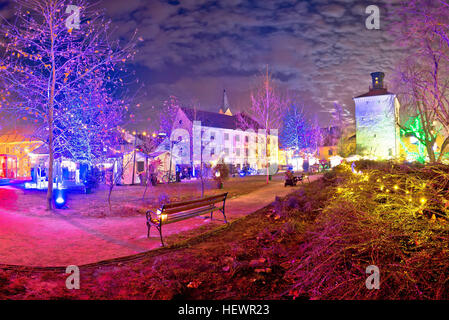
column 150, row 214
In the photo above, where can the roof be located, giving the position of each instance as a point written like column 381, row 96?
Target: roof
column 157, row 153
column 15, row 137
column 215, row 120
column 43, row 149
column 375, row 92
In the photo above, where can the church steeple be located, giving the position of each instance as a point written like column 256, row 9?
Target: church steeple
column 225, row 105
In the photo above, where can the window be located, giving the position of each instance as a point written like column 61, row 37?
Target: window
column 212, row 152
column 140, row 166
column 212, row 136
column 180, row 152
column 237, row 138
column 226, row 136
column 226, row 151
column 246, row 139
column 246, row 152
column 237, row 152
column 331, row 152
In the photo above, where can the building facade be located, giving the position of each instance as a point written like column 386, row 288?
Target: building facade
column 208, row 137
column 377, row 118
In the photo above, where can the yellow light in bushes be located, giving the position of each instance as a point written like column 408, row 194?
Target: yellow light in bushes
column 396, row 187
column 423, row 200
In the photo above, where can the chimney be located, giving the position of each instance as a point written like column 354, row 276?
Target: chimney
column 378, row 80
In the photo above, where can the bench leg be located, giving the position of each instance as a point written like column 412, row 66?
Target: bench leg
column 149, row 227
column 160, row 234
column 211, row 213
column 224, row 216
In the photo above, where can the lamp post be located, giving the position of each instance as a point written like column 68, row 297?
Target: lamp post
column 202, row 147
column 134, row 159
column 172, row 143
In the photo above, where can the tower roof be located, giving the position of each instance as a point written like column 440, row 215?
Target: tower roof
column 225, row 107
column 377, row 88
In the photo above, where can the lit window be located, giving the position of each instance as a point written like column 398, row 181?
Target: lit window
column 226, row 136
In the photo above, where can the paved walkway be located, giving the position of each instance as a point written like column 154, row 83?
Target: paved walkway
column 62, row 241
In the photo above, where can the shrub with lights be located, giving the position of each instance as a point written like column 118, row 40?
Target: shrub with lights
column 221, row 174
column 386, row 214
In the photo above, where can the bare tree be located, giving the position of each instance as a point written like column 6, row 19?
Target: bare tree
column 267, row 109
column 46, row 67
column 423, row 77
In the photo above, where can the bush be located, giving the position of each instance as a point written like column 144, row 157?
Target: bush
column 393, row 216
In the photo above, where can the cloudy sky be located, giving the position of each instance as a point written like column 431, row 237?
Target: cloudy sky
column 194, row 49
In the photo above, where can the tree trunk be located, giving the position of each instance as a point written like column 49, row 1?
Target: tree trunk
column 266, row 157
column 50, row 121
column 109, row 195
column 430, row 153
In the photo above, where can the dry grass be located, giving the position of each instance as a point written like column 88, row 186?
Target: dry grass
column 369, row 221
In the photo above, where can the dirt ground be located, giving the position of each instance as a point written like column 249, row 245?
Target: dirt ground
column 247, row 259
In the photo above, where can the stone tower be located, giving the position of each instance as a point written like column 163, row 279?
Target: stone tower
column 377, row 115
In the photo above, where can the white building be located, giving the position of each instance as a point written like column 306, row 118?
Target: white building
column 377, row 115
column 217, row 137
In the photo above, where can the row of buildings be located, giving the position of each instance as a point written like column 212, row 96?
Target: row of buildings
column 197, row 137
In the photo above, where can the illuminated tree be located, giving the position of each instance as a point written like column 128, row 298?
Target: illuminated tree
column 423, row 76
column 53, row 74
column 413, row 128
column 296, row 132
column 267, row 109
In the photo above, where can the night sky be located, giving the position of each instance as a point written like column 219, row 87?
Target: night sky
column 194, row 49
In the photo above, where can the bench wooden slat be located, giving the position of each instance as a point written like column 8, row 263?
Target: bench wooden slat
column 191, row 206
column 184, row 203
column 172, row 219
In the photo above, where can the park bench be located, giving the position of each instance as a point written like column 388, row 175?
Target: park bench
column 295, row 179
column 178, row 211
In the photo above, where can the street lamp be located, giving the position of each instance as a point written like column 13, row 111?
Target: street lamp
column 172, row 143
